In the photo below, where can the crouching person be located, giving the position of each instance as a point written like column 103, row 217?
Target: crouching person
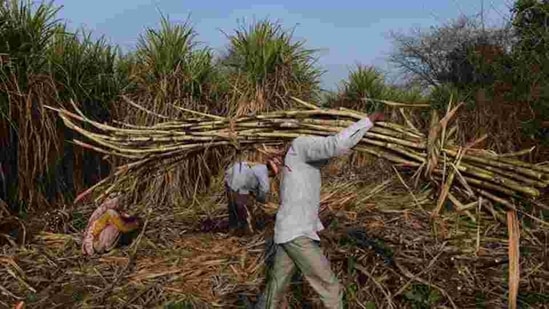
column 241, row 180
column 108, row 227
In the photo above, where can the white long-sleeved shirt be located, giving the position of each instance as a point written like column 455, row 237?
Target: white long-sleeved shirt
column 301, row 181
column 243, row 178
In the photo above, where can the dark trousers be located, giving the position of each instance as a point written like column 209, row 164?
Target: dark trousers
column 238, row 214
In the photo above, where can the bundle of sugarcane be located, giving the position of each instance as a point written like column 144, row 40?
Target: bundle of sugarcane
column 460, row 172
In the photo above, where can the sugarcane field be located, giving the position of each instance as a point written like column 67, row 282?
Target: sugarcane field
column 173, row 174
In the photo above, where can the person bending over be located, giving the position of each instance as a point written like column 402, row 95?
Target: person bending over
column 108, row 227
column 243, row 179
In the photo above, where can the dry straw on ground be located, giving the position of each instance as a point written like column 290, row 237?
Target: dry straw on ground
column 385, row 240
column 378, row 240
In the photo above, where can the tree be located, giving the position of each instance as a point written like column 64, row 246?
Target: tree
column 531, row 23
column 531, row 57
column 459, row 53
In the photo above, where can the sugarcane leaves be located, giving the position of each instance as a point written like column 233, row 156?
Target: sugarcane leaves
column 447, row 185
column 434, row 144
column 432, row 149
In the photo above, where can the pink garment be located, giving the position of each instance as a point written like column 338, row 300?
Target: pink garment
column 108, row 233
column 107, row 239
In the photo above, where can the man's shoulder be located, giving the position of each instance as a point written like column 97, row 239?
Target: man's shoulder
column 240, row 165
column 300, row 145
column 306, row 140
column 259, row 167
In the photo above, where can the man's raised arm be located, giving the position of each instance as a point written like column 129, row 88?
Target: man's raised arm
column 317, row 149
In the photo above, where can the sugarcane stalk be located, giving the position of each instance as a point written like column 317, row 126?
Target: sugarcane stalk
column 511, row 161
column 397, row 134
column 308, row 114
column 495, row 163
column 447, row 185
column 397, row 104
column 388, row 156
column 487, row 175
column 400, row 128
column 420, row 157
column 469, row 169
column 516, row 153
column 141, row 108
column 496, row 199
column 509, row 174
column 321, row 128
column 306, row 104
column 452, row 132
column 327, row 122
column 338, row 125
column 65, row 115
column 395, row 140
column 514, row 257
column 198, row 113
column 462, row 208
column 507, row 158
column 153, row 146
column 408, row 122
column 477, row 183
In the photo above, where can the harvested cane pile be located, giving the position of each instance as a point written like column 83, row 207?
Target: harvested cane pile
column 391, row 260
column 463, row 174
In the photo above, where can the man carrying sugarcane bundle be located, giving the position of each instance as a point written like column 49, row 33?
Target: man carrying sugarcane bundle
column 241, row 180
column 297, row 221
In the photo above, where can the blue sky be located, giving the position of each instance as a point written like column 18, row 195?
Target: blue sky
column 345, row 31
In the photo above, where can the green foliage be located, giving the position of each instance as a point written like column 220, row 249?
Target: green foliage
column 47, row 65
column 533, row 299
column 442, row 95
column 507, row 63
column 422, row 296
column 264, row 49
column 25, row 33
column 480, row 300
column 79, row 221
column 31, row 297
column 166, row 50
column 171, row 55
column 535, row 130
column 530, row 20
column 364, row 83
column 530, row 62
column 351, row 291
column 85, row 70
column 264, row 61
column 179, row 305
column 78, row 296
column 363, row 86
column 327, row 97
column 408, row 94
column 371, row 305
